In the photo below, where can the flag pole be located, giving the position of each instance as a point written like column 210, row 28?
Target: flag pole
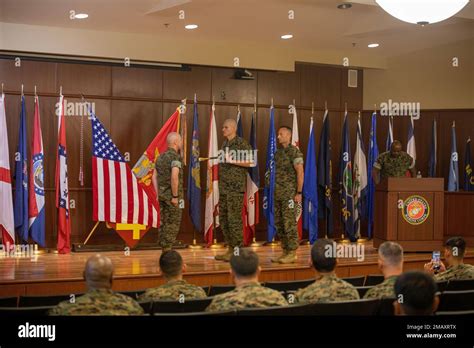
column 214, row 244
column 273, row 242
column 195, row 245
column 254, row 240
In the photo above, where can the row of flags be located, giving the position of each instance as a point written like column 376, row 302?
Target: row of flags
column 26, row 217
column 125, row 195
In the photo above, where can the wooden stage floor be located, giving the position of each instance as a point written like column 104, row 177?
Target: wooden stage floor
column 51, row 273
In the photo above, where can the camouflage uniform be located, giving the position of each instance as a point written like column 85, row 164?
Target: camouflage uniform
column 462, row 271
column 391, row 166
column 232, row 183
column 382, row 290
column 169, row 214
column 328, row 288
column 251, row 295
column 285, row 191
column 99, row 302
column 172, row 291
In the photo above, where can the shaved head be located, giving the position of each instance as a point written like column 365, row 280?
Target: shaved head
column 231, row 123
column 172, row 138
column 396, row 148
column 229, row 128
column 98, row 272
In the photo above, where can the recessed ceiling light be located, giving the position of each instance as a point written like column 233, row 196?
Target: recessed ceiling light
column 191, row 26
column 81, row 16
column 344, row 6
column 373, row 45
column 287, row 36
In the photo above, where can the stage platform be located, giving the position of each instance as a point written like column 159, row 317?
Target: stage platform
column 54, row 274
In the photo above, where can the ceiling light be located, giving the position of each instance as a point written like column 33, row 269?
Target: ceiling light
column 373, row 45
column 422, row 11
column 191, row 26
column 81, row 16
column 287, row 36
column 344, row 6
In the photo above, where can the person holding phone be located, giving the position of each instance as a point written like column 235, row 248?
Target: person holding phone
column 454, row 251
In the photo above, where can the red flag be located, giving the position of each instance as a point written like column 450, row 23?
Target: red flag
column 211, row 217
column 62, row 189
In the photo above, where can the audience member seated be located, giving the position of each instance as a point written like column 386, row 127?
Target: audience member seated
column 454, row 251
column 416, row 294
column 176, row 288
column 248, row 293
column 99, row 299
column 327, row 287
column 390, row 263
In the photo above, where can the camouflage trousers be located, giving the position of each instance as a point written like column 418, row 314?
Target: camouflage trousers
column 285, row 223
column 170, row 223
column 230, row 218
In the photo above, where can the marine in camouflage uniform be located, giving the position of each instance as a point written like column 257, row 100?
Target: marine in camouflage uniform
column 99, row 302
column 383, row 290
column 327, row 288
column 232, row 184
column 393, row 163
column 249, row 295
column 173, row 290
column 285, row 207
column 170, row 215
column 458, row 272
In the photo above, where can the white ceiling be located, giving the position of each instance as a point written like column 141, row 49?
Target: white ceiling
column 317, row 23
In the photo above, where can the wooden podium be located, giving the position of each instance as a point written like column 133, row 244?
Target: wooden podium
column 410, row 211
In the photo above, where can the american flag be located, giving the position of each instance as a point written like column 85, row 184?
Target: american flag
column 117, row 195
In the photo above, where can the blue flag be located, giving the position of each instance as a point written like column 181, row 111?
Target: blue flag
column 21, row 179
column 433, row 152
column 453, row 179
column 194, row 179
column 345, row 180
column 310, row 189
column 373, row 154
column 325, row 176
column 268, row 191
column 240, row 128
column 468, row 175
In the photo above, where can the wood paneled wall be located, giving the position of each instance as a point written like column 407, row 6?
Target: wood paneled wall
column 133, row 104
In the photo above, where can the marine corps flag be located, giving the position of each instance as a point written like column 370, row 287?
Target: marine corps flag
column 117, row 196
column 144, row 167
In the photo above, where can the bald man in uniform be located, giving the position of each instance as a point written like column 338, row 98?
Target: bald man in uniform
column 99, row 299
column 232, row 183
column 393, row 163
column 168, row 183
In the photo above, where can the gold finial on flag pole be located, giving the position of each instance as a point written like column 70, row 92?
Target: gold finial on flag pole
column 358, row 114
column 60, row 90
column 255, row 105
column 312, row 108
column 195, row 97
column 22, row 90
column 345, row 107
column 238, row 107
column 272, row 101
column 326, row 105
column 375, row 108
column 35, row 92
